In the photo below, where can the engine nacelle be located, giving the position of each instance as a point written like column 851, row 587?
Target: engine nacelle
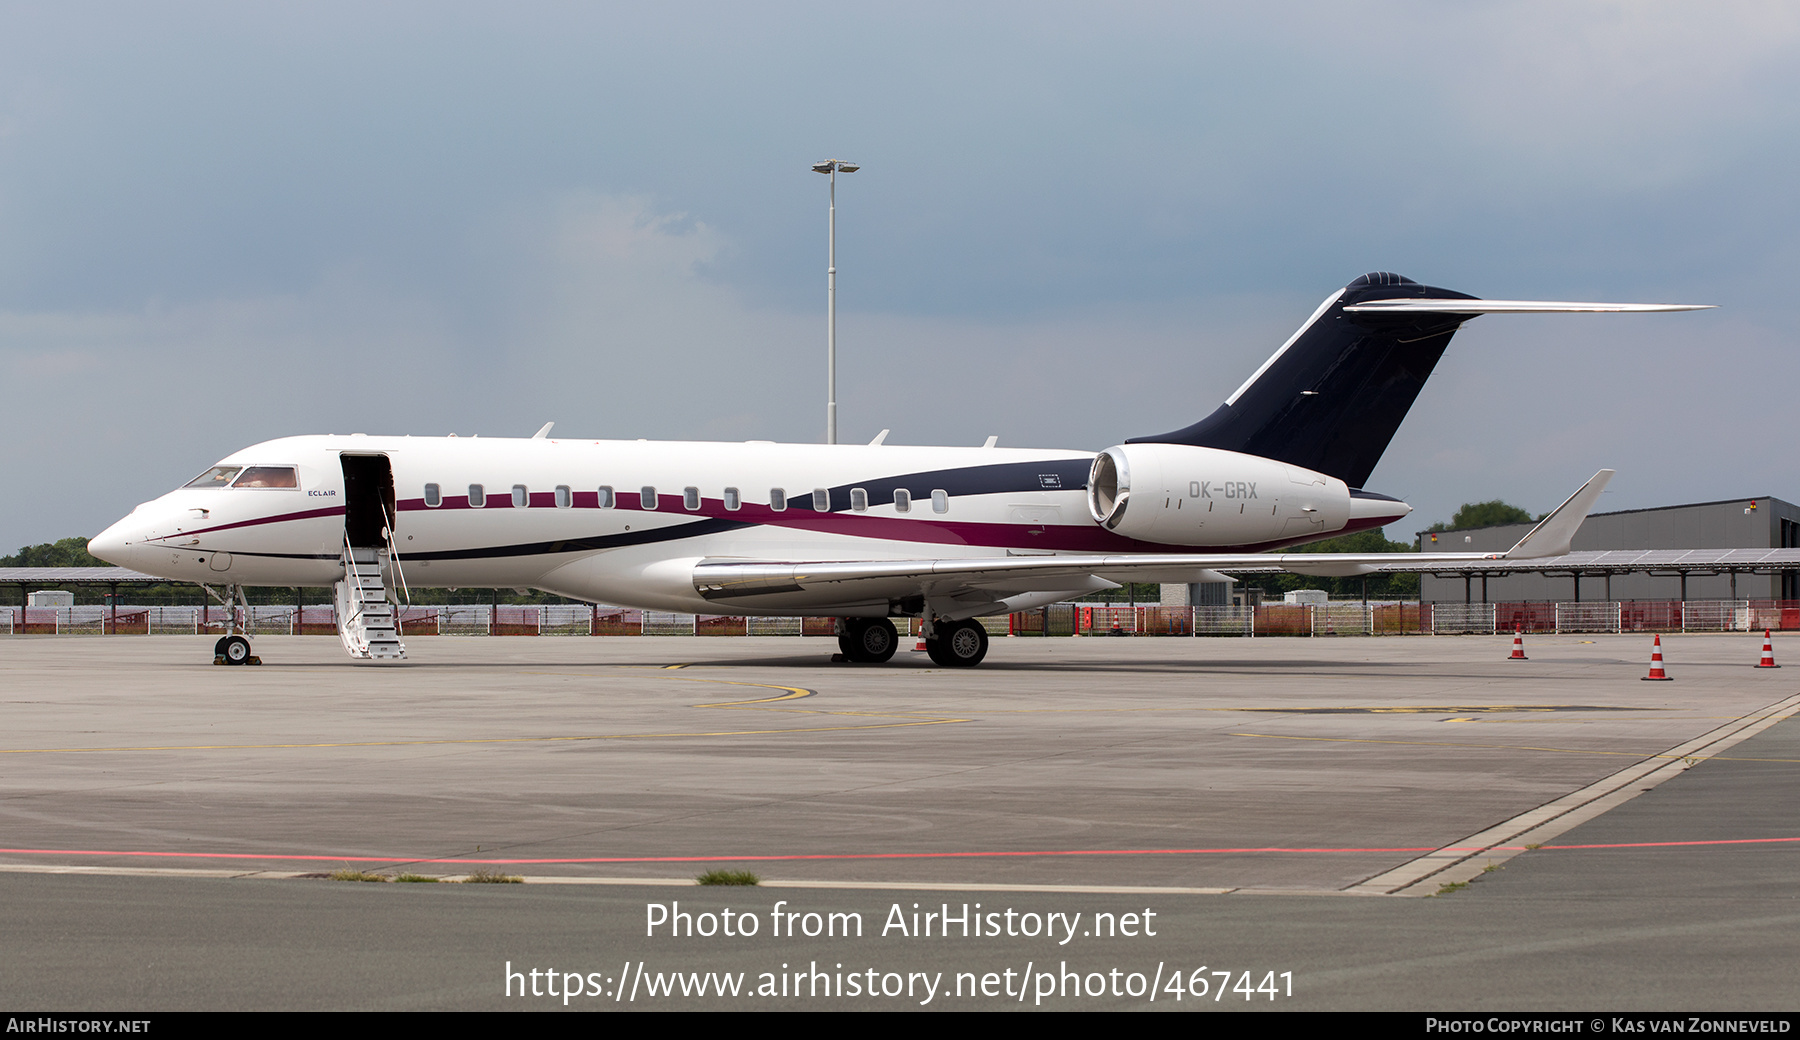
column 1177, row 494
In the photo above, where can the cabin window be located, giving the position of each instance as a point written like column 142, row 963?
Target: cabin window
column 564, row 497
column 690, row 498
column 821, row 500
column 646, row 498
column 268, row 477
column 434, row 496
column 859, row 500
column 477, row 497
column 902, row 500
column 521, row 497
column 217, row 477
column 940, row 501
column 732, row 499
column 777, row 500
column 606, row 497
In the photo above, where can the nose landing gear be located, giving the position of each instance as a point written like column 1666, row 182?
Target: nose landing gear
column 234, row 646
column 234, row 650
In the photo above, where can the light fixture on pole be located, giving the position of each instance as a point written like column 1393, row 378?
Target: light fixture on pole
column 831, row 168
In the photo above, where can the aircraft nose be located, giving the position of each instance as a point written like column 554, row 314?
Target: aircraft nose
column 113, row 544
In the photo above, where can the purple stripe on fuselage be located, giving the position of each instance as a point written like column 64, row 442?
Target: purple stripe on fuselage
column 1058, row 537
column 278, row 518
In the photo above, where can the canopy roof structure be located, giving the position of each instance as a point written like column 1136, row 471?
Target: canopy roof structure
column 1663, row 562
column 79, row 576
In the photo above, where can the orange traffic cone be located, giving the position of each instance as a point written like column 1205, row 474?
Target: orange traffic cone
column 1768, row 657
column 920, row 648
column 1656, row 668
column 1518, row 653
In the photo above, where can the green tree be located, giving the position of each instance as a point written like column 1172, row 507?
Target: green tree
column 70, row 552
column 1381, row 586
column 1484, row 514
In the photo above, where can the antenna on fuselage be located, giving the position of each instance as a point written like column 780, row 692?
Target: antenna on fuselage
column 545, row 432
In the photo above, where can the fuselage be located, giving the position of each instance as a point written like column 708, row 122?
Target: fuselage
column 623, row 522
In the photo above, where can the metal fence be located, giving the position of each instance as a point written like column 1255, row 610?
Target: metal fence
column 1268, row 619
column 1462, row 619
column 1059, row 619
column 773, row 626
column 1588, row 617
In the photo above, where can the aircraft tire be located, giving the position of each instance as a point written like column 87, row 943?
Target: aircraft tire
column 960, row 644
column 869, row 640
column 234, row 649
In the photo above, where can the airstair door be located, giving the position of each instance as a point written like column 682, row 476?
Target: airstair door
column 368, row 499
column 365, row 612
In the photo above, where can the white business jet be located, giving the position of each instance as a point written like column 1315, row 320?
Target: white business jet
column 863, row 533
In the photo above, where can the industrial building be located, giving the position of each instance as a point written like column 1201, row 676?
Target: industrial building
column 1742, row 523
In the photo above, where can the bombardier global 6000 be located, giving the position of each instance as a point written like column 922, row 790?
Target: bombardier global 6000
column 863, row 533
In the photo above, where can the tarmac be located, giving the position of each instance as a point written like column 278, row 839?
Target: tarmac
column 1592, row 841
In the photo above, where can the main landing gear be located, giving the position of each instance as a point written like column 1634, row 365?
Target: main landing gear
column 951, row 644
column 957, row 644
column 867, row 640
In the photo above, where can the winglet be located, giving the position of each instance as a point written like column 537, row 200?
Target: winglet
column 1553, row 533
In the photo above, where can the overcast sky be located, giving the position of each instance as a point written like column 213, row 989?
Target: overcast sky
column 223, row 223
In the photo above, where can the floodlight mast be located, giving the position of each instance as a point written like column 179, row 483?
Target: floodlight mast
column 831, row 168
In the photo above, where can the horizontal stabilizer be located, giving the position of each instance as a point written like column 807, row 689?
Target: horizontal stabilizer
column 1445, row 306
column 1552, row 535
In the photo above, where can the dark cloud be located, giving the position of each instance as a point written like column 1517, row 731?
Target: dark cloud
column 1074, row 225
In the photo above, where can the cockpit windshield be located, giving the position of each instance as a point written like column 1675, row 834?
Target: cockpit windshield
column 217, row 477
column 268, row 477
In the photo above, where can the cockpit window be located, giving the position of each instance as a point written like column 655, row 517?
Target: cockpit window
column 268, row 477
column 217, row 477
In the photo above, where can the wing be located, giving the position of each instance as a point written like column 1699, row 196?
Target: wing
column 957, row 588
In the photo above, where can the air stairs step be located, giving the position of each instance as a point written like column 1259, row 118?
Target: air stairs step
column 365, row 614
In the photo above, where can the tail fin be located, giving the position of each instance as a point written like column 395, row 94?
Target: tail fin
column 1331, row 398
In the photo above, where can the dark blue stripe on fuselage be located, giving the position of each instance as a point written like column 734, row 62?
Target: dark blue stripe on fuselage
column 1000, row 478
column 592, row 543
